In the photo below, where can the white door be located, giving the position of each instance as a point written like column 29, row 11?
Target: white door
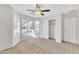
column 70, row 30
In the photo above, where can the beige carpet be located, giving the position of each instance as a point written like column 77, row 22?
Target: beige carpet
column 41, row 46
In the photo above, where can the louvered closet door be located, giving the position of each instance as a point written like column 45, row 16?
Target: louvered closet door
column 70, row 30
column 52, row 29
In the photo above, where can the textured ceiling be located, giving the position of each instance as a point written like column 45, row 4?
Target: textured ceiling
column 54, row 8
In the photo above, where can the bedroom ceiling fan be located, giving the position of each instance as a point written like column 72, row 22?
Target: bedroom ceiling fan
column 38, row 10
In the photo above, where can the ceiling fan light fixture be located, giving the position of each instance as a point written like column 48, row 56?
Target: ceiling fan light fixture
column 38, row 11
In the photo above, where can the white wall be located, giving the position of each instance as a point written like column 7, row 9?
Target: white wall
column 78, row 27
column 44, row 28
column 5, row 27
column 58, row 30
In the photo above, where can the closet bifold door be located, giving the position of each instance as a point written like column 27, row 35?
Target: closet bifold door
column 70, row 33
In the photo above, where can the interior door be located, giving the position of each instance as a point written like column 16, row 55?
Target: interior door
column 51, row 29
column 70, row 30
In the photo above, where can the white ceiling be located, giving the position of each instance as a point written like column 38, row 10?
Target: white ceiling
column 54, row 8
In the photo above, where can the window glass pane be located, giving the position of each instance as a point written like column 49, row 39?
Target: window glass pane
column 37, row 25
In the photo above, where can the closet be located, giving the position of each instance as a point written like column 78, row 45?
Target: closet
column 70, row 27
column 52, row 29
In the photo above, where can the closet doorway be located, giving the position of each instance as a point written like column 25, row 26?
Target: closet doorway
column 52, row 24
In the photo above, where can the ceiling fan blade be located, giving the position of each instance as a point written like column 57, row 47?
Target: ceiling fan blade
column 45, row 10
column 42, row 14
column 30, row 10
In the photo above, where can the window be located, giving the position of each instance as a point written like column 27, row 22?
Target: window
column 37, row 26
column 30, row 27
column 16, row 23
